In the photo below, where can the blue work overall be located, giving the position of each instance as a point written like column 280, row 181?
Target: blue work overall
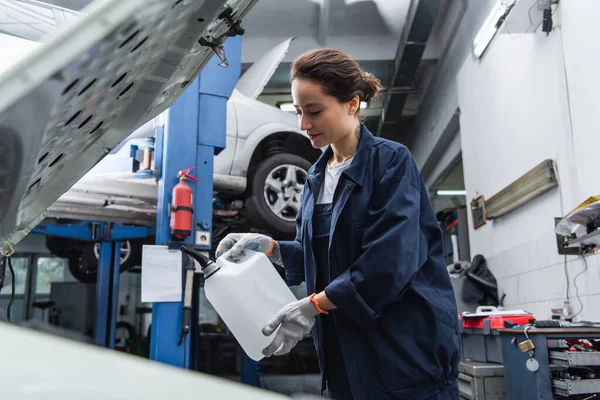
column 335, row 371
column 380, row 261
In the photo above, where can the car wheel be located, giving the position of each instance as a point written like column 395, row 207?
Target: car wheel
column 85, row 267
column 126, row 253
column 276, row 194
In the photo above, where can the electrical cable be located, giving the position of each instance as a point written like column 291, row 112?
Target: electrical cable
column 531, row 23
column 560, row 192
column 184, row 351
column 577, row 289
column 510, row 34
column 567, row 276
column 3, row 262
column 570, row 115
column 12, row 289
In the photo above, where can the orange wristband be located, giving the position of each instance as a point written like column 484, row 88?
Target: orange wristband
column 270, row 252
column 319, row 309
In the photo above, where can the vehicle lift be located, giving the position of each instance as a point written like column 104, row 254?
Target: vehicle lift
column 110, row 237
column 194, row 131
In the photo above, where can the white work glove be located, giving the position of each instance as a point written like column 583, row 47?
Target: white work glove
column 237, row 242
column 296, row 320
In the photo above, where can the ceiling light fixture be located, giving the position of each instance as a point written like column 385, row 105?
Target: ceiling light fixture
column 490, row 26
column 529, row 186
column 451, row 192
column 288, row 107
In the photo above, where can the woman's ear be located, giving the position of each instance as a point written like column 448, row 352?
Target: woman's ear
column 353, row 105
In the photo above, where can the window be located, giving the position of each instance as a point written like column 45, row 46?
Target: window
column 49, row 269
column 20, row 265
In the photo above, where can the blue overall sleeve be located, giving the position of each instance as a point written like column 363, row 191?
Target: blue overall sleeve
column 292, row 254
column 391, row 244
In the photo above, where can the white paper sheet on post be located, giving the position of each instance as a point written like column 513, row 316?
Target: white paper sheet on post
column 161, row 274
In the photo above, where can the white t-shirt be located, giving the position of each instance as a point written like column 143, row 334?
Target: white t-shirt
column 332, row 177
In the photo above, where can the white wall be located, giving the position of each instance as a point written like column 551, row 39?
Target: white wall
column 582, row 58
column 516, row 111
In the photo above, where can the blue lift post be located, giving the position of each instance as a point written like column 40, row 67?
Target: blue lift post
column 103, row 292
column 194, row 132
column 114, row 306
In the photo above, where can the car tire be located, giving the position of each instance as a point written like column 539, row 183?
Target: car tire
column 63, row 247
column 85, row 266
column 130, row 337
column 276, row 194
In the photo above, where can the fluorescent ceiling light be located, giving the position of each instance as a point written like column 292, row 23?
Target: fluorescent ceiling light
column 491, row 25
column 452, row 192
column 290, row 106
column 287, row 107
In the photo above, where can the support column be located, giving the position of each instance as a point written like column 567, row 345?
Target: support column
column 114, row 295
column 195, row 130
column 103, row 293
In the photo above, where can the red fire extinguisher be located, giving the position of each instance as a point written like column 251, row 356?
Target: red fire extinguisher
column 181, row 206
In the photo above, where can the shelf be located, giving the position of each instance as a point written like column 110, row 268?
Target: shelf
column 575, row 359
column 567, row 387
column 591, row 239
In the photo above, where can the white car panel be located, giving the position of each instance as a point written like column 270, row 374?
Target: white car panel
column 259, row 121
column 42, row 366
column 124, row 186
column 230, row 183
column 254, row 114
column 69, row 102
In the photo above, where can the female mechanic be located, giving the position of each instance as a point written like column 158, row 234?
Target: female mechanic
column 382, row 310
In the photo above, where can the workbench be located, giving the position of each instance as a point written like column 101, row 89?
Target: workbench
column 519, row 381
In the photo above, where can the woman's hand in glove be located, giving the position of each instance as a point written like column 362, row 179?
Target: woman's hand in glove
column 296, row 320
column 237, row 242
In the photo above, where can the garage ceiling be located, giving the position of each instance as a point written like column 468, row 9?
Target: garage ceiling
column 365, row 29
column 388, row 38
column 396, row 40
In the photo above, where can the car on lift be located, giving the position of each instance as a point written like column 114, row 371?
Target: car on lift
column 258, row 177
column 88, row 102
column 63, row 108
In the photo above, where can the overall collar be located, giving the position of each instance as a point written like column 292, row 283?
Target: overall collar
column 356, row 171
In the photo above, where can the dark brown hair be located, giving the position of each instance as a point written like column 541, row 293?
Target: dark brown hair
column 339, row 75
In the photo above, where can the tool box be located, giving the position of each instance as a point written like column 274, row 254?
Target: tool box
column 481, row 381
column 479, row 332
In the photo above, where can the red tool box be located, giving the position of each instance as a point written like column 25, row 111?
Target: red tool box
column 479, row 332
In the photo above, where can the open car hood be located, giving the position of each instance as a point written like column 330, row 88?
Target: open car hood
column 255, row 78
column 69, row 102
